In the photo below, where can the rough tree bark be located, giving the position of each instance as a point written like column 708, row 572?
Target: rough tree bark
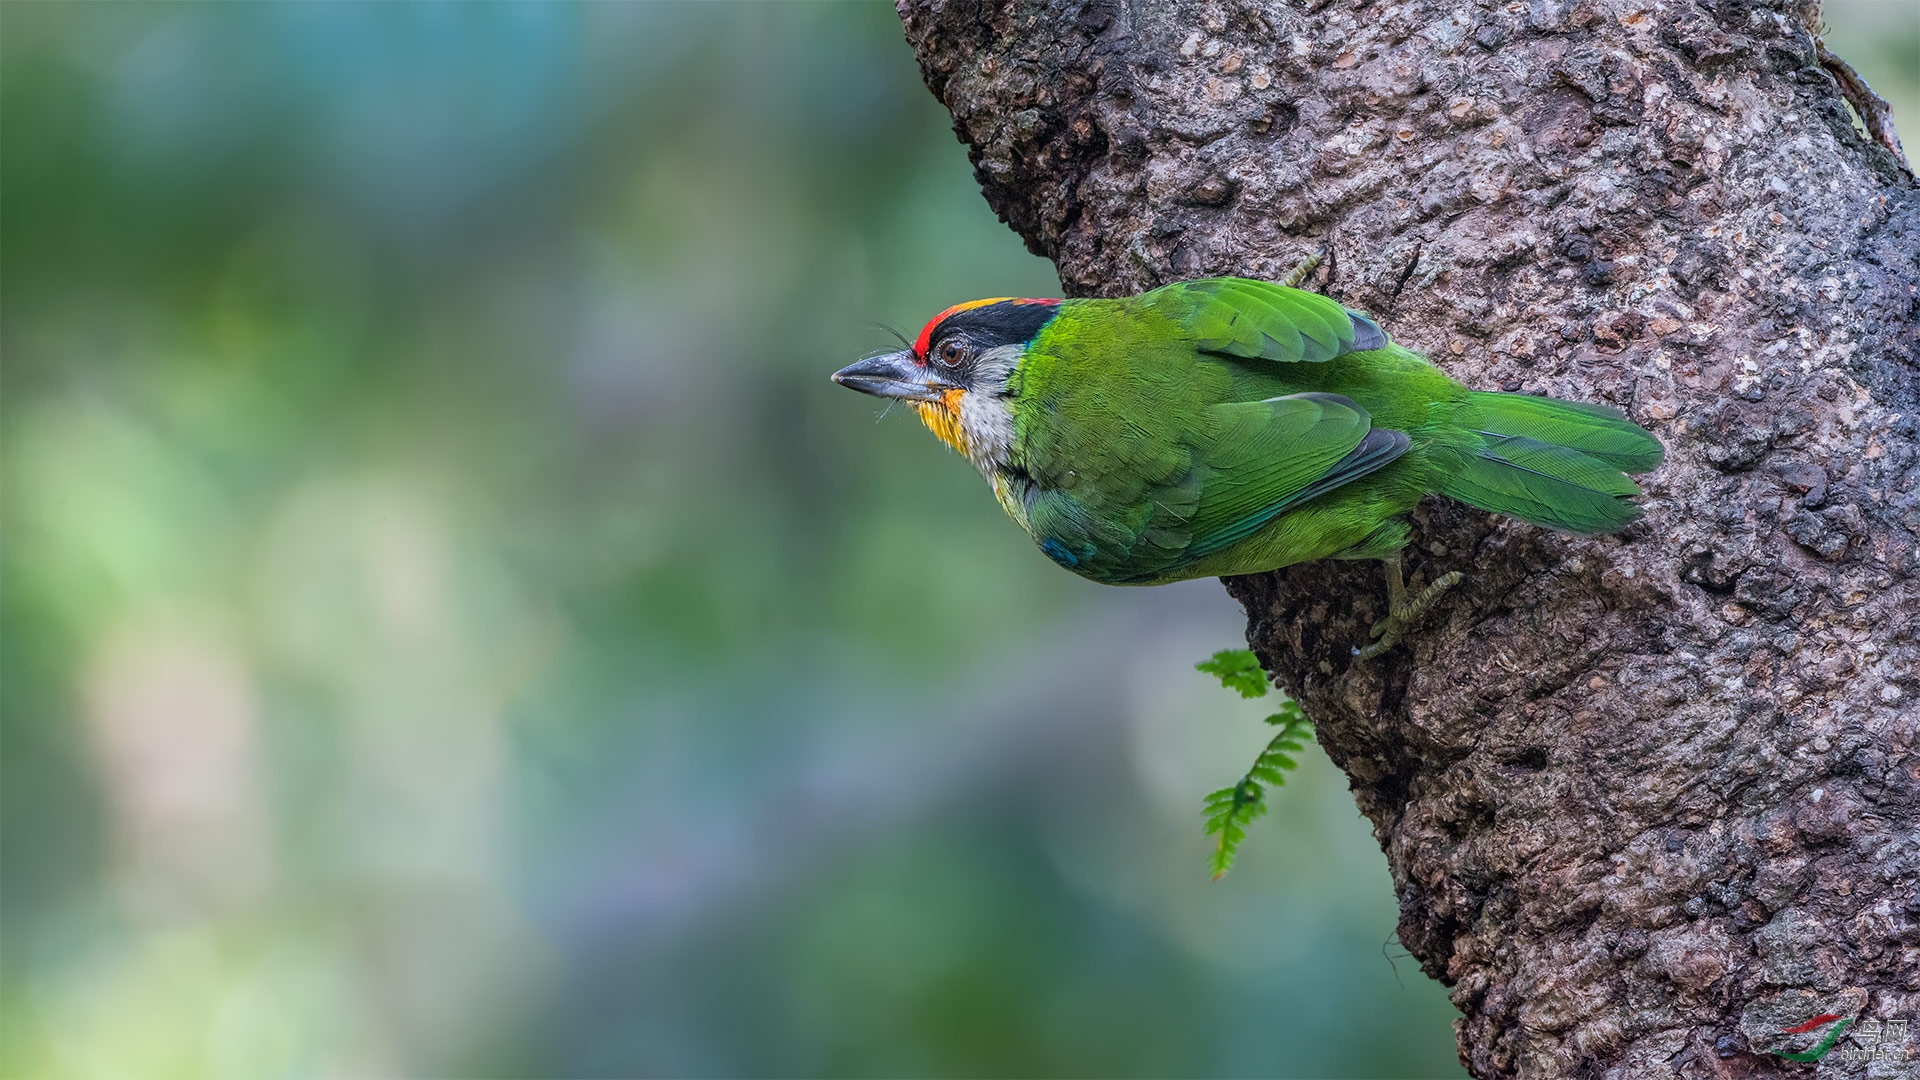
column 1648, row 799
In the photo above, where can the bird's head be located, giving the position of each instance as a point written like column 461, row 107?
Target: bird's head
column 955, row 373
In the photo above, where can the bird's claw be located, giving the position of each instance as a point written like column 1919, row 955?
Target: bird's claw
column 1402, row 613
column 1293, row 277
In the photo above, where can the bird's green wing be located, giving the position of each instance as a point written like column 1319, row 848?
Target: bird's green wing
column 1242, row 465
column 1260, row 320
column 1266, row 457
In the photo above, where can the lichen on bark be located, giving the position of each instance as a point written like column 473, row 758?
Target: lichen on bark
column 1650, row 798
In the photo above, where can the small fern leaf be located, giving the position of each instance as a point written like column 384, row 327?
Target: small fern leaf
column 1229, row 811
column 1274, row 759
column 1238, row 670
column 1288, row 713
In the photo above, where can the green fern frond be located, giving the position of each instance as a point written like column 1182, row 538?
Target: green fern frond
column 1237, row 670
column 1230, row 810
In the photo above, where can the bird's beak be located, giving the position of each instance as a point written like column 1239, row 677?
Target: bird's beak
column 893, row 375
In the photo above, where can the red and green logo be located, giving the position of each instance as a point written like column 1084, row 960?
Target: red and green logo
column 1826, row 1042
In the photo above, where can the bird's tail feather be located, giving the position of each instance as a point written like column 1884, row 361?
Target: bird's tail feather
column 1559, row 464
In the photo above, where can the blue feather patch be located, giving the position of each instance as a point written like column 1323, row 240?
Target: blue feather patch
column 1058, row 553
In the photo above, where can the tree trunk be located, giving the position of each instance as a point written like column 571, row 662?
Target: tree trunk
column 1648, row 799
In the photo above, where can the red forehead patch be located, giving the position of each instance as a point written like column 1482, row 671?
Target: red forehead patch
column 926, row 332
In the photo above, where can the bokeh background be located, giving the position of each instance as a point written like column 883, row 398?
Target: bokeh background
column 452, row 627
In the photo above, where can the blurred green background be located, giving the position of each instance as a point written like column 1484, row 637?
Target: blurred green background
column 452, row 626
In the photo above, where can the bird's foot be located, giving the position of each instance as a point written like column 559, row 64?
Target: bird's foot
column 1403, row 611
column 1292, row 278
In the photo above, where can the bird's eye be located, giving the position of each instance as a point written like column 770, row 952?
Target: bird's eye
column 952, row 352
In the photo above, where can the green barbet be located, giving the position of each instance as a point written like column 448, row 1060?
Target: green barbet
column 1230, row 426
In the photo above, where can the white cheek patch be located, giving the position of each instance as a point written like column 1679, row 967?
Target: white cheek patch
column 987, row 420
column 985, row 416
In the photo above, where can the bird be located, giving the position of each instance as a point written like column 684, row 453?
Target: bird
column 1228, row 426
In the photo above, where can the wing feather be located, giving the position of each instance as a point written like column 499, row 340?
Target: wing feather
column 1260, row 320
column 1248, row 463
column 1274, row 455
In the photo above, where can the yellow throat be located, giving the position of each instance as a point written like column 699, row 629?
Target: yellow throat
column 943, row 420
